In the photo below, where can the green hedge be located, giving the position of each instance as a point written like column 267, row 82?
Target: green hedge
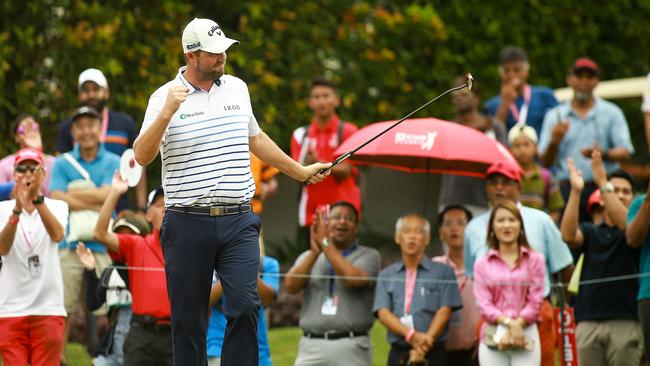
column 387, row 57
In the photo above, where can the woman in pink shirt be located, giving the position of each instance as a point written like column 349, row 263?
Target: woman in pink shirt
column 509, row 288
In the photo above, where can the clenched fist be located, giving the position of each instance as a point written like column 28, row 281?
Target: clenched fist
column 175, row 96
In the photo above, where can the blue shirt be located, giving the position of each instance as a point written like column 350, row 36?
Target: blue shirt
column 541, row 232
column 5, row 190
column 605, row 125
column 428, row 294
column 542, row 100
column 217, row 324
column 644, row 262
column 101, row 171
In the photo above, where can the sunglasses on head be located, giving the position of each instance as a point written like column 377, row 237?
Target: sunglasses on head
column 21, row 129
column 21, row 168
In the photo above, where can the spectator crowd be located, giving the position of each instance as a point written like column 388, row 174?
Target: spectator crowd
column 73, row 237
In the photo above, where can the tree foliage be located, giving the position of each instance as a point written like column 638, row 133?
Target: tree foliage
column 386, row 57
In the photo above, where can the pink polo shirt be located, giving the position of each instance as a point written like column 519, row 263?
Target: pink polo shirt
column 462, row 334
column 512, row 292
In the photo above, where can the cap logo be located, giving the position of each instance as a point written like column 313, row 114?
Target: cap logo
column 192, row 46
column 213, row 30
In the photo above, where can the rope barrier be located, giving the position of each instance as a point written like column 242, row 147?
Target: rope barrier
column 618, row 278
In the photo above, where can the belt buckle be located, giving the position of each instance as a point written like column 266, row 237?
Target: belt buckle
column 217, row 210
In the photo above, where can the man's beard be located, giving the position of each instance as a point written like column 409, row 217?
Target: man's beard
column 210, row 74
column 582, row 97
column 99, row 107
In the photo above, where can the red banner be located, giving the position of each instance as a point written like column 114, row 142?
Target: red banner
column 566, row 338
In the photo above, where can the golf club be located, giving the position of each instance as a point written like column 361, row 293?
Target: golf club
column 469, row 83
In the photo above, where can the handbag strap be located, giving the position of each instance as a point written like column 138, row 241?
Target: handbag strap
column 84, row 173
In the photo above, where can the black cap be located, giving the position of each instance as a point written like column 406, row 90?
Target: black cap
column 85, row 111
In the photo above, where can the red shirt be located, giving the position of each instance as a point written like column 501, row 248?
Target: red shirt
column 148, row 287
column 322, row 142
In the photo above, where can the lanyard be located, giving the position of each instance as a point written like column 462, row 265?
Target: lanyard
column 29, row 242
column 409, row 288
column 345, row 253
column 465, row 278
column 521, row 114
column 104, row 124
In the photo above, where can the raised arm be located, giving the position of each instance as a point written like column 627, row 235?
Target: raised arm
column 637, row 228
column 297, row 277
column 147, row 144
column 29, row 193
column 571, row 233
column 101, row 232
column 613, row 205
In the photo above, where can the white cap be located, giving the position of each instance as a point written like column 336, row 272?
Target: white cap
column 206, row 35
column 94, row 75
column 521, row 130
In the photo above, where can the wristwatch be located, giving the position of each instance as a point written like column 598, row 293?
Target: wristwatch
column 325, row 243
column 607, row 187
column 39, row 200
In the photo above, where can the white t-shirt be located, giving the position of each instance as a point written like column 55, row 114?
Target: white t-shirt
column 21, row 293
column 204, row 150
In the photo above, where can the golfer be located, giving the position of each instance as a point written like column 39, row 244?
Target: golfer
column 203, row 124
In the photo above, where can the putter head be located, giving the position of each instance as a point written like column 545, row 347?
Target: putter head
column 469, row 80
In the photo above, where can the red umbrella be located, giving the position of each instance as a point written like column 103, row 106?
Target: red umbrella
column 423, row 145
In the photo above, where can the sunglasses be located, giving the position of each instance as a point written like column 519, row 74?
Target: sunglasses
column 21, row 168
column 33, row 127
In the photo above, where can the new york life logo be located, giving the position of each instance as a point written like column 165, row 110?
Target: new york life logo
column 188, row 115
column 425, row 140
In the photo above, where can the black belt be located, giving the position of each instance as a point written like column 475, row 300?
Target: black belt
column 335, row 335
column 221, row 210
column 151, row 323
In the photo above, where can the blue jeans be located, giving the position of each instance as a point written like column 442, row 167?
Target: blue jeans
column 122, row 325
column 194, row 246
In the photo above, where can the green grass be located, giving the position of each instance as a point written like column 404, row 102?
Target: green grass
column 283, row 342
column 76, row 355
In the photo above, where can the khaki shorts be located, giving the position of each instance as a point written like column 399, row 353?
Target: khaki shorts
column 72, row 270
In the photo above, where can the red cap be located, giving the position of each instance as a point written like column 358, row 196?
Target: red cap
column 594, row 200
column 585, row 63
column 508, row 170
column 28, row 154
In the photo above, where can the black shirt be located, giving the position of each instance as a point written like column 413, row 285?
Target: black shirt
column 607, row 255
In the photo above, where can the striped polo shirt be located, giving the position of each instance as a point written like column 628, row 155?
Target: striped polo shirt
column 204, row 151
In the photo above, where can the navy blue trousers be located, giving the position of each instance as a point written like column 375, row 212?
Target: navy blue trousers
column 194, row 246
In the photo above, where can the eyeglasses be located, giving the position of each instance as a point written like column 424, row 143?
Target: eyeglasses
column 21, row 168
column 32, row 127
column 451, row 223
column 351, row 219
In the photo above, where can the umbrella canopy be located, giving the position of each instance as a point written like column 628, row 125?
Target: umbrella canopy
column 424, row 145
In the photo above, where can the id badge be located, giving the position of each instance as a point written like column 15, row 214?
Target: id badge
column 35, row 269
column 329, row 306
column 407, row 320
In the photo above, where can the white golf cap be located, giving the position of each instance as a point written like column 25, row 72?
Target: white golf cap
column 206, row 35
column 521, row 130
column 94, row 75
